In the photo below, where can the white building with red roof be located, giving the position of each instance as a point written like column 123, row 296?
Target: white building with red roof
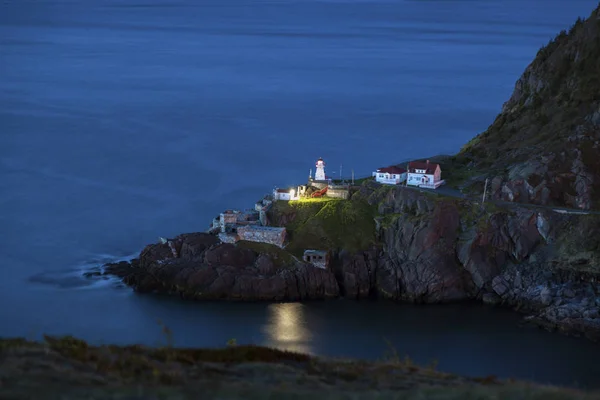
column 390, row 175
column 424, row 174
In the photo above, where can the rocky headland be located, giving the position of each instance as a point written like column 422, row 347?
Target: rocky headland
column 423, row 248
column 209, row 269
column 410, row 245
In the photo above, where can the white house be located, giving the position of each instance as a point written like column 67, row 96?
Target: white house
column 284, row 194
column 390, row 175
column 424, row 174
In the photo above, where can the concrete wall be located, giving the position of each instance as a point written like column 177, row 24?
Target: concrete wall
column 302, row 190
column 263, row 204
column 262, row 217
column 281, row 195
column 341, row 193
column 320, row 260
column 247, row 223
column 247, row 215
column 262, row 234
column 264, row 221
column 228, row 237
column 227, row 218
column 336, row 191
column 318, row 184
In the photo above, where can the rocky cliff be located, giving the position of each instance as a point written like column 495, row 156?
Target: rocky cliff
column 544, row 146
column 439, row 249
column 205, row 268
column 427, row 249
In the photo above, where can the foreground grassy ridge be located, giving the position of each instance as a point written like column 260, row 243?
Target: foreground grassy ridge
column 327, row 224
column 67, row 368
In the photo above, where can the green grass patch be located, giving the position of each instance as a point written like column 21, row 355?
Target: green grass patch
column 77, row 349
column 326, row 224
column 310, row 200
column 456, row 178
column 388, row 220
column 360, row 181
column 456, row 170
column 140, row 362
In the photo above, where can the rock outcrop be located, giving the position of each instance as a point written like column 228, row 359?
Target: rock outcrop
column 438, row 249
column 432, row 249
column 209, row 269
column 544, row 146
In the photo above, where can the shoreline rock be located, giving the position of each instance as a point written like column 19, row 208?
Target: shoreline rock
column 208, row 269
column 433, row 250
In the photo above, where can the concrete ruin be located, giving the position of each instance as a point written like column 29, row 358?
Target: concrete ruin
column 262, row 207
column 233, row 225
column 262, row 234
column 339, row 191
column 228, row 220
column 230, row 237
column 318, row 258
column 255, row 233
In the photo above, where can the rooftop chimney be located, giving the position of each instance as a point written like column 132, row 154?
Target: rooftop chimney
column 427, row 161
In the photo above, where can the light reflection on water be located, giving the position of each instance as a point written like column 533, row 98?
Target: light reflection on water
column 286, row 327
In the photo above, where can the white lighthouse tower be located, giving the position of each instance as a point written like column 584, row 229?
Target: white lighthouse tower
column 320, row 171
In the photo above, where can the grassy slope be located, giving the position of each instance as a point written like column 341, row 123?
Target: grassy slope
column 327, row 224
column 67, row 369
column 538, row 121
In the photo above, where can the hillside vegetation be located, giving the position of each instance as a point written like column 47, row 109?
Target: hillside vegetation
column 326, row 224
column 544, row 146
column 68, row 369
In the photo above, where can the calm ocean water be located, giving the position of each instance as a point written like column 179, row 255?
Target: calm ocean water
column 123, row 121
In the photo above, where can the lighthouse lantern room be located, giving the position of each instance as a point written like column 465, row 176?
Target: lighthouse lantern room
column 320, row 170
